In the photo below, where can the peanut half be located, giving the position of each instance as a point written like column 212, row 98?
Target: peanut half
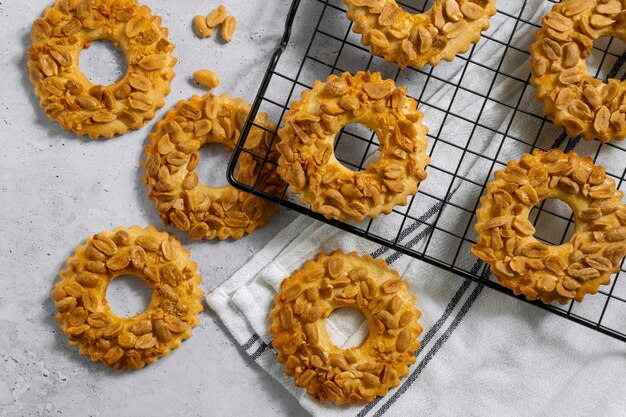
column 206, row 78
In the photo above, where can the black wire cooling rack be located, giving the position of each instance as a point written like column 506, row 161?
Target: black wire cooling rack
column 481, row 113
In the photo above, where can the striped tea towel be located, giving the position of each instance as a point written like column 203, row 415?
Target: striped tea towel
column 482, row 353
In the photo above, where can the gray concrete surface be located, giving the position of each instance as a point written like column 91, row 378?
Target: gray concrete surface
column 56, row 189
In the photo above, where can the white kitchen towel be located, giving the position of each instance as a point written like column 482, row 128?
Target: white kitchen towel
column 482, row 353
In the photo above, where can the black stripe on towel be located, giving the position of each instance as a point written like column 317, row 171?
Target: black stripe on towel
column 438, row 344
column 260, row 351
column 413, row 226
column 429, row 335
column 250, row 342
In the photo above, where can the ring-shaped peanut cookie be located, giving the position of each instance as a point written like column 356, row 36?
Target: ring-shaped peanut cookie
column 69, row 97
column 128, row 342
column 577, row 101
column 357, row 374
column 537, row 270
column 308, row 162
column 449, row 27
column 172, row 155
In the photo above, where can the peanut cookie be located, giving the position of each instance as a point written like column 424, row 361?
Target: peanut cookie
column 540, row 271
column 172, row 156
column 308, row 162
column 577, row 101
column 449, row 27
column 310, row 295
column 65, row 93
column 128, row 342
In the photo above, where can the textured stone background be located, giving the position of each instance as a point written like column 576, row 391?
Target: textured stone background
column 56, row 189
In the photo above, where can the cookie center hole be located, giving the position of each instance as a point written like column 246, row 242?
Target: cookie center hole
column 604, row 58
column 103, row 63
column 346, row 327
column 353, row 149
column 551, row 220
column 415, row 6
column 212, row 165
column 128, row 296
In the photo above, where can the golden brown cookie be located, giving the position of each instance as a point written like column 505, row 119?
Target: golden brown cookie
column 577, row 101
column 308, row 162
column 128, row 342
column 447, row 28
column 172, row 156
column 546, row 272
column 311, row 294
column 65, row 93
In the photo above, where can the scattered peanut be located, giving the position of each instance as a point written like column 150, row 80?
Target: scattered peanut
column 207, row 78
column 216, row 17
column 201, row 28
column 228, row 28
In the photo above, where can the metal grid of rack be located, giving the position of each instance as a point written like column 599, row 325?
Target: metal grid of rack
column 481, row 112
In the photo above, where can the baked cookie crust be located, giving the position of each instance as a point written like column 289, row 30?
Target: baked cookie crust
column 68, row 97
column 546, row 272
column 307, row 160
column 182, row 200
column 358, row 374
column 575, row 100
column 125, row 343
column 448, row 28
